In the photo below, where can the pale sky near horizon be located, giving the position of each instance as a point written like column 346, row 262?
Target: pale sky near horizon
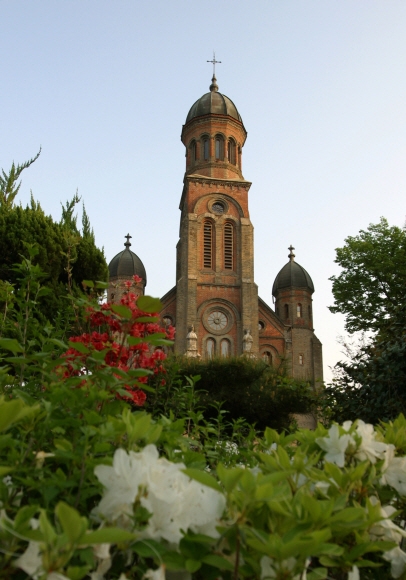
column 105, row 86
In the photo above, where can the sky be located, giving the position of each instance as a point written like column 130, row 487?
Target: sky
column 105, row 86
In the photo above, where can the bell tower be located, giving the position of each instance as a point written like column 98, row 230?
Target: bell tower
column 215, row 288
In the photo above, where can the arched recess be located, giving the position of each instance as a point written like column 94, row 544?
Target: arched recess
column 225, row 348
column 205, row 147
column 269, row 354
column 208, row 244
column 193, row 151
column 202, row 202
column 219, row 147
column 210, row 348
column 229, row 246
column 231, row 151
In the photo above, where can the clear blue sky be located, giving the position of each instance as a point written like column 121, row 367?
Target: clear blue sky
column 105, row 86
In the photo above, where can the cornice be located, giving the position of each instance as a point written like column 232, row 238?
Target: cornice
column 218, row 182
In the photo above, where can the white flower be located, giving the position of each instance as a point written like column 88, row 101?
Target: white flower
column 40, row 458
column 102, row 552
column 31, row 561
column 56, row 576
column 369, row 448
column 158, row 574
column 269, row 568
column 386, row 529
column 335, row 445
column 175, row 501
column 347, row 425
column 354, row 574
column 394, row 471
column 397, row 558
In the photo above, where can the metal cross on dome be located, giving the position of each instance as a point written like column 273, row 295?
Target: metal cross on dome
column 127, row 243
column 214, row 62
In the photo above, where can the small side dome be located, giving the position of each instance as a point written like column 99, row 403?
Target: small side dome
column 126, row 264
column 213, row 103
column 292, row 275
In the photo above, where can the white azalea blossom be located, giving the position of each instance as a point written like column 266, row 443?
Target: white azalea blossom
column 158, row 574
column 31, row 561
column 335, row 445
column 270, row 568
column 102, row 553
column 394, row 472
column 386, row 529
column 369, row 448
column 397, row 559
column 175, row 501
column 354, row 573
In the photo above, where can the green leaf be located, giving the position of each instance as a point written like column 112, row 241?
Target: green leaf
column 14, row 411
column 149, row 548
column 11, row 344
column 4, row 470
column 72, row 523
column 218, row 562
column 149, row 319
column 203, row 477
column 192, row 565
column 79, row 346
column 317, row 574
column 229, row 477
column 149, row 304
column 88, row 283
column 122, row 311
column 107, row 536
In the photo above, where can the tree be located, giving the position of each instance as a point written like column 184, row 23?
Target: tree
column 373, row 278
column 66, row 255
column 372, row 386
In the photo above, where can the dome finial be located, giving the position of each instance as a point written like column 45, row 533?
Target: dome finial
column 214, row 86
column 291, row 255
column 127, row 243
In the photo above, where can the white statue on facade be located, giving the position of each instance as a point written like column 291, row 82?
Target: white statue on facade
column 191, row 343
column 247, row 343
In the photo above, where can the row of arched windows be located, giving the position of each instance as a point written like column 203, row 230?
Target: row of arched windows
column 213, row 348
column 200, row 150
column 209, row 246
column 299, row 311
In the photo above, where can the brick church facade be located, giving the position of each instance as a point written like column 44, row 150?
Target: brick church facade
column 215, row 291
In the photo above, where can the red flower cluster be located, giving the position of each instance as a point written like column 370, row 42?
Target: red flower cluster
column 128, row 341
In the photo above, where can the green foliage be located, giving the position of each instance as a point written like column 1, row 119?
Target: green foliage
column 65, row 256
column 246, row 388
column 8, row 182
column 372, row 386
column 373, row 278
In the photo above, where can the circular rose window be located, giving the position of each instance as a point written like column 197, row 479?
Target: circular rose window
column 217, row 207
column 217, row 320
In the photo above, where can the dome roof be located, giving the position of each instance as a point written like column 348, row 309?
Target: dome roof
column 126, row 264
column 213, row 103
column 292, row 275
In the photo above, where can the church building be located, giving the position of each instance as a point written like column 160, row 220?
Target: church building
column 215, row 298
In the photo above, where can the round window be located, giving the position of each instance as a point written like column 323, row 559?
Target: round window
column 217, row 320
column 218, row 207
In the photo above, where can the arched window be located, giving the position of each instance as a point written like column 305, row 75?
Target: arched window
column 225, row 348
column 299, row 312
column 210, row 347
column 310, row 312
column 208, row 244
column 239, row 157
column 219, row 149
column 205, row 149
column 301, row 360
column 286, row 310
column 228, row 246
column 193, row 150
column 267, row 357
column 231, row 151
